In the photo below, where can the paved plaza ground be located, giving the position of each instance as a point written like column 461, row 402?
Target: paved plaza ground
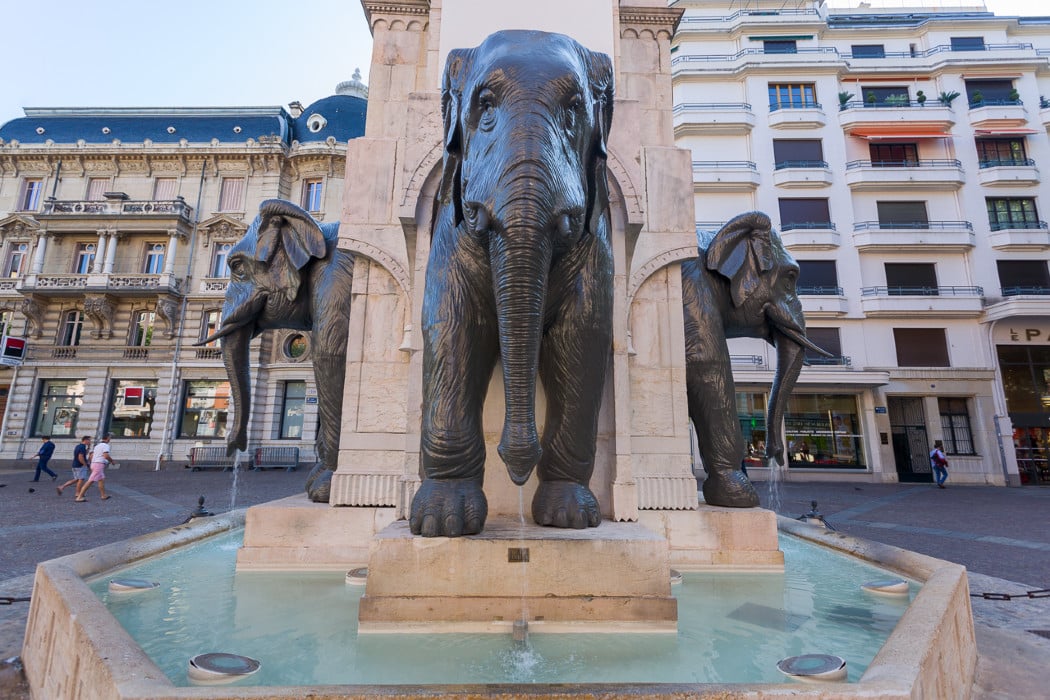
column 1001, row 535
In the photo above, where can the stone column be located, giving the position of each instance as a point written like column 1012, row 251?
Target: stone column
column 169, row 255
column 111, row 252
column 100, row 251
column 38, row 253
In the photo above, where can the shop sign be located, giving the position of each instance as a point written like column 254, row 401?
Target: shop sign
column 1022, row 334
column 311, row 399
column 880, row 409
column 12, row 350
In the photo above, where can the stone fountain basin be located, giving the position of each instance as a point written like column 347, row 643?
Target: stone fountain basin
column 75, row 648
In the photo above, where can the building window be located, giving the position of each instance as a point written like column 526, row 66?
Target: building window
column 1026, row 382
column 1023, row 277
column 804, row 213
column 231, row 194
column 295, row 347
column 955, row 424
column 885, row 96
column 792, row 95
column 141, row 329
column 219, row 260
column 780, row 46
column 751, row 412
column 204, row 409
column 868, row 51
column 817, row 277
column 72, row 325
column 85, row 258
column 967, row 43
column 164, row 189
column 292, row 412
column 979, row 92
column 902, row 215
column 910, row 279
column 894, row 155
column 58, row 407
column 921, row 347
column 798, row 153
column 16, row 259
column 29, row 197
column 132, row 407
column 995, row 152
column 827, row 338
column 6, row 318
column 154, row 259
column 210, row 324
column 1012, row 212
column 312, row 191
column 824, row 431
column 96, row 188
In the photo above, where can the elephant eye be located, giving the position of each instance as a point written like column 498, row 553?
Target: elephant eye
column 572, row 109
column 486, row 107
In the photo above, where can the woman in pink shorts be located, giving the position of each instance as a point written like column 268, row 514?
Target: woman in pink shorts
column 100, row 457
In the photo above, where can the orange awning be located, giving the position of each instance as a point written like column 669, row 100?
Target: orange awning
column 876, row 133
column 1005, row 132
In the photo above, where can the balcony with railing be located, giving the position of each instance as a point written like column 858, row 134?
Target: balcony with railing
column 944, row 236
column 693, row 118
column 116, row 205
column 1044, row 112
column 1007, row 172
column 794, row 18
column 752, row 362
column 844, row 361
column 997, row 114
column 797, row 114
column 799, row 174
column 1019, row 235
column 895, row 301
column 725, row 175
column 823, row 302
column 114, row 284
column 812, row 235
column 938, row 174
column 214, row 285
column 97, row 353
column 942, row 53
column 907, row 116
column 1019, row 301
column 806, row 56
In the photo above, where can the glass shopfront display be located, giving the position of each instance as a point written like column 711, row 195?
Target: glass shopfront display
column 132, row 407
column 59, row 407
column 1026, row 384
column 751, row 412
column 824, row 431
column 205, row 409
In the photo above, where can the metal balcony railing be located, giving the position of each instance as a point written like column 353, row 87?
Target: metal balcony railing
column 1006, row 163
column 942, row 48
column 1016, row 225
column 977, row 104
column 794, row 104
column 754, row 51
column 745, row 13
column 712, row 107
column 1025, row 291
column 907, row 163
column 97, row 353
column 909, row 225
column 724, row 164
column 801, row 225
column 753, row 360
column 921, row 291
column 783, row 164
column 820, row 291
column 885, row 103
column 834, row 361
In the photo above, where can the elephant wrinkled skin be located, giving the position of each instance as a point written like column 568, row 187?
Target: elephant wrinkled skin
column 741, row 285
column 286, row 272
column 520, row 270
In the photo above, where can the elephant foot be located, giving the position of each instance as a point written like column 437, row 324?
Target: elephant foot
column 319, row 484
column 731, row 489
column 448, row 508
column 565, row 504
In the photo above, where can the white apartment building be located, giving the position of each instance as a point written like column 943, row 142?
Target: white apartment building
column 903, row 156
column 115, row 224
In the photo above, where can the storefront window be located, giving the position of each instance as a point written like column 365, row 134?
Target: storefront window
column 824, row 431
column 59, row 407
column 751, row 412
column 292, row 415
column 955, row 424
column 131, row 409
column 204, row 409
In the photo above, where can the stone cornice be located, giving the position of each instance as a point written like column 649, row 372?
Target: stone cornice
column 375, row 8
column 660, row 16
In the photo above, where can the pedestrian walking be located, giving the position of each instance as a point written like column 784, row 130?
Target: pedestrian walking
column 939, row 463
column 81, row 466
column 100, row 458
column 43, row 456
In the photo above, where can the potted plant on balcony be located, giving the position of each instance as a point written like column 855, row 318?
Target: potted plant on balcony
column 1043, row 102
column 897, row 101
column 1014, row 96
column 844, row 98
column 870, row 99
column 920, row 97
column 977, row 99
column 946, row 98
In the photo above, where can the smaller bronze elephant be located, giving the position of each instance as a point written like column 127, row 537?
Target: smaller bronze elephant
column 286, row 272
column 741, row 285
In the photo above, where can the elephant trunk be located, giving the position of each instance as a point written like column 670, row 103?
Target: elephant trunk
column 520, row 257
column 235, row 345
column 790, row 358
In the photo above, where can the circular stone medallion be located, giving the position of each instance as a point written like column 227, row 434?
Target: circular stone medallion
column 814, row 667
column 218, row 667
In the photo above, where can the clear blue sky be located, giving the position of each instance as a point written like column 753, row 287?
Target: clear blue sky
column 148, row 53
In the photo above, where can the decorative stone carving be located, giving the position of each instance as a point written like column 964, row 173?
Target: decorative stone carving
column 222, row 228
column 33, row 310
column 168, row 312
column 100, row 308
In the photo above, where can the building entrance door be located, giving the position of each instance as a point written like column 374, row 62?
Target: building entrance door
column 910, row 446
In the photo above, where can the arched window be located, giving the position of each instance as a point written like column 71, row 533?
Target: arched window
column 142, row 328
column 72, row 325
column 218, row 264
column 154, row 259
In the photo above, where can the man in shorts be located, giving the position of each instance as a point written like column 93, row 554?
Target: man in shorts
column 100, row 458
column 81, row 466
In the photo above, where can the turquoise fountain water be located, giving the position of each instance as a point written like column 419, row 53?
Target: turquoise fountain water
column 733, row 628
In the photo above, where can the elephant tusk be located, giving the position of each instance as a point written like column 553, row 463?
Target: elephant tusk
column 801, row 339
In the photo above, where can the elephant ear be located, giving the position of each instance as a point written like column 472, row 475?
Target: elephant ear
column 600, row 76
column 283, row 225
column 456, row 68
column 742, row 251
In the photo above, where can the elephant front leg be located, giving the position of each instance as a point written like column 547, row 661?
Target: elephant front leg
column 712, row 408
column 329, row 373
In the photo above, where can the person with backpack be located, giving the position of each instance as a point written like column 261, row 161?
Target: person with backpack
column 939, row 463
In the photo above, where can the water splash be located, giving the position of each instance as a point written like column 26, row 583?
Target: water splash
column 521, row 632
column 776, row 475
column 233, row 485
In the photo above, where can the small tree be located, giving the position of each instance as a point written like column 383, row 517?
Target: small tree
column 946, row 98
column 844, row 98
column 920, row 97
column 977, row 98
column 1043, row 102
column 1015, row 96
column 870, row 98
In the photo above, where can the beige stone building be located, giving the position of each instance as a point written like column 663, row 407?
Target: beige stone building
column 115, row 224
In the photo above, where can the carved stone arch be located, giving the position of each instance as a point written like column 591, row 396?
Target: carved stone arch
column 631, row 199
column 628, row 33
column 663, row 35
column 380, row 24
column 649, row 267
column 417, row 26
column 647, row 34
column 397, row 25
column 424, row 170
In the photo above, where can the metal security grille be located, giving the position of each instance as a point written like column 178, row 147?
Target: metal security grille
column 910, row 445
